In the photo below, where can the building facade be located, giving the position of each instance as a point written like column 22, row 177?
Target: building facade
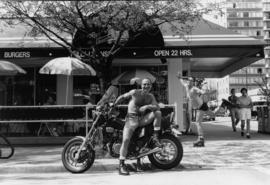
column 245, row 17
column 210, row 53
column 266, row 20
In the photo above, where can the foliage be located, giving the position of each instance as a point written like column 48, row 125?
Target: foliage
column 264, row 87
column 76, row 25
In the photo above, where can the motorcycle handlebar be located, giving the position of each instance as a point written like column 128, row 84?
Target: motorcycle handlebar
column 106, row 108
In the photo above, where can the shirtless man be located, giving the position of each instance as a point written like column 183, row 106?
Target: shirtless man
column 140, row 101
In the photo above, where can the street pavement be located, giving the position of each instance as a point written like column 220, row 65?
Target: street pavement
column 226, row 158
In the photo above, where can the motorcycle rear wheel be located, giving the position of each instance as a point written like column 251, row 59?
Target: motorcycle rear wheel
column 86, row 158
column 171, row 154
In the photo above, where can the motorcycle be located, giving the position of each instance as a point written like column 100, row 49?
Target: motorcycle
column 78, row 154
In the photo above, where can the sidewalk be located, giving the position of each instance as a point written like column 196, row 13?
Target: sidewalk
column 224, row 149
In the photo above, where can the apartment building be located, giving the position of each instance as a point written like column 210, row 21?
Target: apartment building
column 246, row 17
column 266, row 20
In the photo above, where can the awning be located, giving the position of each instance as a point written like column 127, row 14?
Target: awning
column 217, row 51
column 213, row 51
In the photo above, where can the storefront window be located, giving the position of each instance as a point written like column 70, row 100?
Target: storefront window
column 18, row 90
column 159, row 88
column 3, row 90
column 31, row 88
column 45, row 86
column 86, row 90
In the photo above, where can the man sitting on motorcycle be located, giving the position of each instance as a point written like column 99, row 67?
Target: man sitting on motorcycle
column 140, row 102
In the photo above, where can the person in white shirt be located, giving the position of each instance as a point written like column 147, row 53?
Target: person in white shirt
column 245, row 104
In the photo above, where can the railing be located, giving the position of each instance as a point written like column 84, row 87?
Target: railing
column 54, row 114
column 44, row 115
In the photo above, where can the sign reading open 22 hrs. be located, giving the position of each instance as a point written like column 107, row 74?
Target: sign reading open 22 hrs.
column 172, row 53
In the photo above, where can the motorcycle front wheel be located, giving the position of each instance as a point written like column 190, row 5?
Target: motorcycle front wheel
column 85, row 160
column 171, row 154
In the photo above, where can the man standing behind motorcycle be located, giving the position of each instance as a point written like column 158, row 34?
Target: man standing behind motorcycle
column 140, row 102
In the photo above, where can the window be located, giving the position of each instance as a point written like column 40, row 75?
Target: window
column 232, row 14
column 158, row 89
column 255, row 14
column 83, row 86
column 245, row 14
column 246, row 24
column 258, row 23
column 244, row 32
column 233, row 24
column 267, row 24
column 267, row 35
column 258, row 33
column 267, row 15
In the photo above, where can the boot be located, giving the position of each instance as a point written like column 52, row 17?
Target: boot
column 234, row 128
column 123, row 168
column 155, row 139
column 199, row 142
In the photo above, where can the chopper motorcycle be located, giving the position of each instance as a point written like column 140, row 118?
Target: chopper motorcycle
column 78, row 154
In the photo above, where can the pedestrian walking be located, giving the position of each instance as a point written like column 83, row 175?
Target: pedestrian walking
column 245, row 104
column 234, row 110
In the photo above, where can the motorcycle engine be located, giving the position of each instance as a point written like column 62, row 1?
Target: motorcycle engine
column 116, row 148
column 109, row 129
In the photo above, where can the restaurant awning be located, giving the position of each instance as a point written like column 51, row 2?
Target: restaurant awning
column 217, row 51
column 213, row 51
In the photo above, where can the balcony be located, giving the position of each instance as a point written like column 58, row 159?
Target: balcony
column 266, row 37
column 266, row 18
column 266, row 28
column 266, row 9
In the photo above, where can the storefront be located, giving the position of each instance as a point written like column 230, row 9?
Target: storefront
column 208, row 52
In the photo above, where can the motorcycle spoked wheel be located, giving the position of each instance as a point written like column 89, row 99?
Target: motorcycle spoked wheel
column 171, row 154
column 86, row 158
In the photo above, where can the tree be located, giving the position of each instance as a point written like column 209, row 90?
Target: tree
column 85, row 27
column 264, row 88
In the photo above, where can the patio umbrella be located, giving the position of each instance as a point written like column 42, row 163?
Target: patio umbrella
column 8, row 68
column 67, row 66
column 132, row 77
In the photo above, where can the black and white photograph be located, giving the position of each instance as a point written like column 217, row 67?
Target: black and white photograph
column 137, row 92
